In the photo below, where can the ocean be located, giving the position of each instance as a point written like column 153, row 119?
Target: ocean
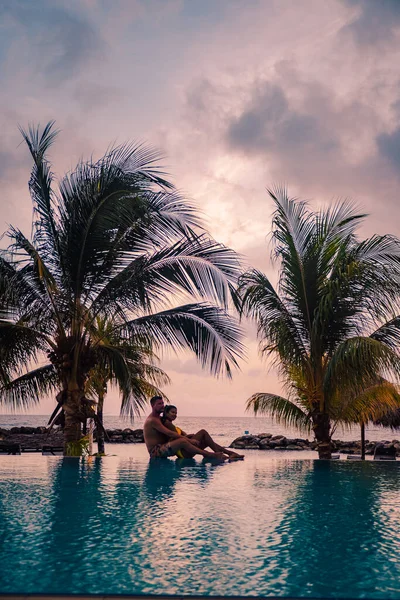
column 223, row 429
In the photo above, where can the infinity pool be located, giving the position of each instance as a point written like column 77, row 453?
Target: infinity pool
column 266, row 526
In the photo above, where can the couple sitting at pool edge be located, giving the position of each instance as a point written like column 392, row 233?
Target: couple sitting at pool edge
column 164, row 439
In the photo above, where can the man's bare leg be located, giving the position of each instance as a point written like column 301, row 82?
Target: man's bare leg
column 191, row 450
column 205, row 441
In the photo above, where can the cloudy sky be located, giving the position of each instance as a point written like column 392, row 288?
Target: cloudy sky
column 238, row 94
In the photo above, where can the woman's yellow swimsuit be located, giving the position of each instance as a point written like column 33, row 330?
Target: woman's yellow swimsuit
column 179, row 452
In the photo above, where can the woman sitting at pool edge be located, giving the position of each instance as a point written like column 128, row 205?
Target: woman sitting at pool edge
column 201, row 439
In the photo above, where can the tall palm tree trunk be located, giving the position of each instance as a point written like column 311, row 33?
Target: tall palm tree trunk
column 100, row 430
column 73, row 423
column 322, row 429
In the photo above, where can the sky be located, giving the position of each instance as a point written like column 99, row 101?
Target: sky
column 239, row 95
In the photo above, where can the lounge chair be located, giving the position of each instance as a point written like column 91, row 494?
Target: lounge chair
column 385, row 452
column 10, row 448
column 52, row 450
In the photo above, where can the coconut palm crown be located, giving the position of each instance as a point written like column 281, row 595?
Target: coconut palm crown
column 331, row 324
column 145, row 376
column 114, row 240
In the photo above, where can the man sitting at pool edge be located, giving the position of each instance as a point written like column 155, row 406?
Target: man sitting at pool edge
column 162, row 442
column 202, row 438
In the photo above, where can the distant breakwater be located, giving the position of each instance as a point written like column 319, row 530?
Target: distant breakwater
column 35, row 437
column 267, row 441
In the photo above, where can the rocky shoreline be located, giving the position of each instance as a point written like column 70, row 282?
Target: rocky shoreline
column 36, row 437
column 267, row 441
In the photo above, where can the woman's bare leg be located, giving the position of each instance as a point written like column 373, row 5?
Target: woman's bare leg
column 191, row 450
column 205, row 441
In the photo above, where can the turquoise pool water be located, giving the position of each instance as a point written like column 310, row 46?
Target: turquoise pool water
column 267, row 526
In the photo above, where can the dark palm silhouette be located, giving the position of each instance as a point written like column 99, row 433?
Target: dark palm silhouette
column 115, row 240
column 330, row 325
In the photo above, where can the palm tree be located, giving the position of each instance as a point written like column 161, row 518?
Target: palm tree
column 375, row 402
column 145, row 376
column 115, row 241
column 333, row 290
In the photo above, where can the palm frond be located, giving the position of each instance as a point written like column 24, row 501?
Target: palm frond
column 21, row 295
column 277, row 329
column 212, row 334
column 388, row 333
column 28, row 389
column 372, row 404
column 126, row 366
column 110, row 209
column 358, row 362
column 198, row 267
column 338, row 222
column 133, row 404
column 293, row 229
column 42, row 272
column 40, row 186
column 172, row 216
column 20, row 344
column 389, row 419
column 280, row 409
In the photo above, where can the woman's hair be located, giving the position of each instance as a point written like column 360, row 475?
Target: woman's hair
column 167, row 409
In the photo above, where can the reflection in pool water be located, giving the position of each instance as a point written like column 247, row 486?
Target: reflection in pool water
column 267, row 526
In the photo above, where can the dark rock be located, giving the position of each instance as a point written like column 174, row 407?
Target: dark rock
column 138, row 433
column 385, row 450
column 40, row 430
column 264, row 444
column 245, row 439
column 301, row 441
column 237, row 444
column 27, row 430
column 37, row 440
column 282, row 441
column 127, row 432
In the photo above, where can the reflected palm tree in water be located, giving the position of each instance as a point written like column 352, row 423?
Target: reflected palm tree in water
column 48, row 527
column 162, row 475
column 335, row 537
column 75, row 531
column 105, row 517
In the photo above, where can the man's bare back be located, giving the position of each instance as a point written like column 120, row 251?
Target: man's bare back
column 162, row 442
